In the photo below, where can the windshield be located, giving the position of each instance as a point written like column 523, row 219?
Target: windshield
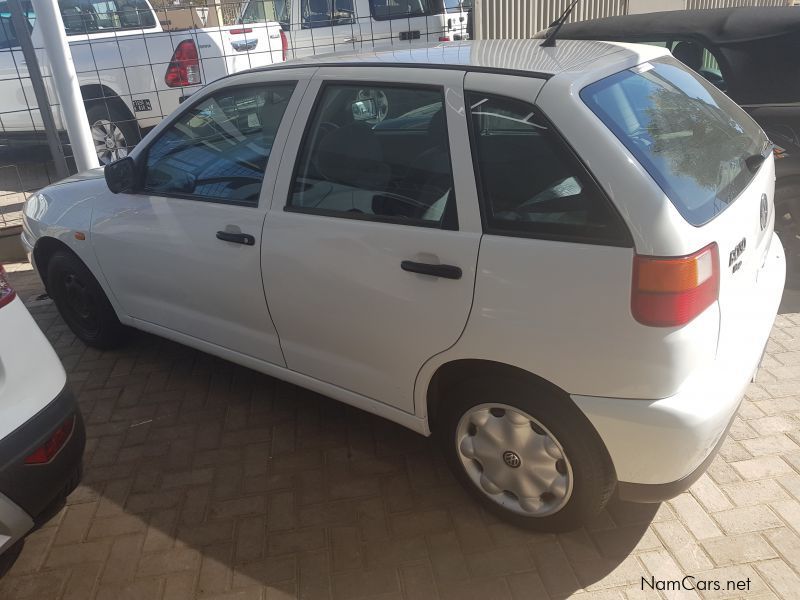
column 692, row 139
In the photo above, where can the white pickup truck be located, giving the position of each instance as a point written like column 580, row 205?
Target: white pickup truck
column 132, row 73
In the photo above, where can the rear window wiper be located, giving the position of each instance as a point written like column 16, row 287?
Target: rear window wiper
column 754, row 161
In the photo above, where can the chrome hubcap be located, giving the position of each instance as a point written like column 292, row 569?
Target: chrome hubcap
column 109, row 141
column 514, row 460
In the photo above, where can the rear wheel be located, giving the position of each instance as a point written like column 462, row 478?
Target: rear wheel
column 787, row 226
column 82, row 303
column 114, row 131
column 526, row 454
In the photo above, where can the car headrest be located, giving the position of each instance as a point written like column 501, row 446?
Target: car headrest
column 689, row 54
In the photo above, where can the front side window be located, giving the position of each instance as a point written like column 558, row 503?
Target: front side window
column 326, row 13
column 93, row 16
column 689, row 136
column 530, row 184
column 218, row 150
column 382, row 10
column 377, row 152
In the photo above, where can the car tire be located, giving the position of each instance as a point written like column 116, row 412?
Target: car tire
column 82, row 302
column 526, row 453
column 114, row 131
column 787, row 226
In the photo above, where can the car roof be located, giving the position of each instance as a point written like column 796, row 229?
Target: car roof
column 525, row 57
column 716, row 26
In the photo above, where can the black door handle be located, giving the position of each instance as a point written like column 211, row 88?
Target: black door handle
column 446, row 271
column 237, row 238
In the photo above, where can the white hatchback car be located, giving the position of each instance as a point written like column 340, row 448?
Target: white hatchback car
column 41, row 430
column 560, row 261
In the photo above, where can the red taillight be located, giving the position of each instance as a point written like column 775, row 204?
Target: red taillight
column 47, row 451
column 184, row 68
column 444, row 38
column 284, row 45
column 7, row 293
column 241, row 31
column 668, row 292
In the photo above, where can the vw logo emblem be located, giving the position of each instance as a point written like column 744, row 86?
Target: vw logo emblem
column 511, row 458
column 764, row 211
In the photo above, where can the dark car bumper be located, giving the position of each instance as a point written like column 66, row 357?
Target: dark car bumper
column 34, row 487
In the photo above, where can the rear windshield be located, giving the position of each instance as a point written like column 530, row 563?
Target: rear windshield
column 691, row 138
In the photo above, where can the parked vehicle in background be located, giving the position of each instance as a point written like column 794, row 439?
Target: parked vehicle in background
column 131, row 72
column 41, row 430
column 750, row 54
column 324, row 26
column 430, row 245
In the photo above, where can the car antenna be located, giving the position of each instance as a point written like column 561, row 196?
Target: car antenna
column 555, row 26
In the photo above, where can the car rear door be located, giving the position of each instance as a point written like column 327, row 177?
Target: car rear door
column 182, row 253
column 370, row 247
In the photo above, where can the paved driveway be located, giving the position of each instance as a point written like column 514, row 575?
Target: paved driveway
column 204, row 479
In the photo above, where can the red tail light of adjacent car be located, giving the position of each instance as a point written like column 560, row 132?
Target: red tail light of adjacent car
column 284, row 45
column 184, row 68
column 47, row 451
column 7, row 293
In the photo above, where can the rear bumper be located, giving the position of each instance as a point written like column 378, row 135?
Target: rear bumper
column 660, row 447
column 27, row 490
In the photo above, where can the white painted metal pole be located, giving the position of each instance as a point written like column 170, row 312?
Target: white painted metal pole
column 48, row 20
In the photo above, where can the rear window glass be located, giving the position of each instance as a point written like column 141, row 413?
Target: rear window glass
column 691, row 138
column 92, row 16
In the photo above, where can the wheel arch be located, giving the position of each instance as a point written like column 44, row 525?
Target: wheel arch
column 43, row 251
column 455, row 370
column 95, row 92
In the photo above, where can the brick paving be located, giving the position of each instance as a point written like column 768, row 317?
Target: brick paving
column 206, row 480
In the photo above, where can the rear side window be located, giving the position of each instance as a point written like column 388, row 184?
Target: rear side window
column 383, row 10
column 691, row 138
column 93, row 16
column 8, row 37
column 531, row 184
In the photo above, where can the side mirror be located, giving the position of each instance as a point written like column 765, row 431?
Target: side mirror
column 121, row 175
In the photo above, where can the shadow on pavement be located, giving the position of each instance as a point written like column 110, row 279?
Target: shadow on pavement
column 206, row 477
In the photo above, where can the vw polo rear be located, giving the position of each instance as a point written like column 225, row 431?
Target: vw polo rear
column 693, row 177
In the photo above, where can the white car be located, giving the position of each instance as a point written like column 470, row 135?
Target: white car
column 319, row 26
column 41, row 430
column 560, row 261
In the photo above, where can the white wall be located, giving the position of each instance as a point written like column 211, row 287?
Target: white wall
column 643, row 6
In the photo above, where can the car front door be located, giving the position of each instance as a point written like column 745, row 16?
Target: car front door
column 371, row 243
column 182, row 253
